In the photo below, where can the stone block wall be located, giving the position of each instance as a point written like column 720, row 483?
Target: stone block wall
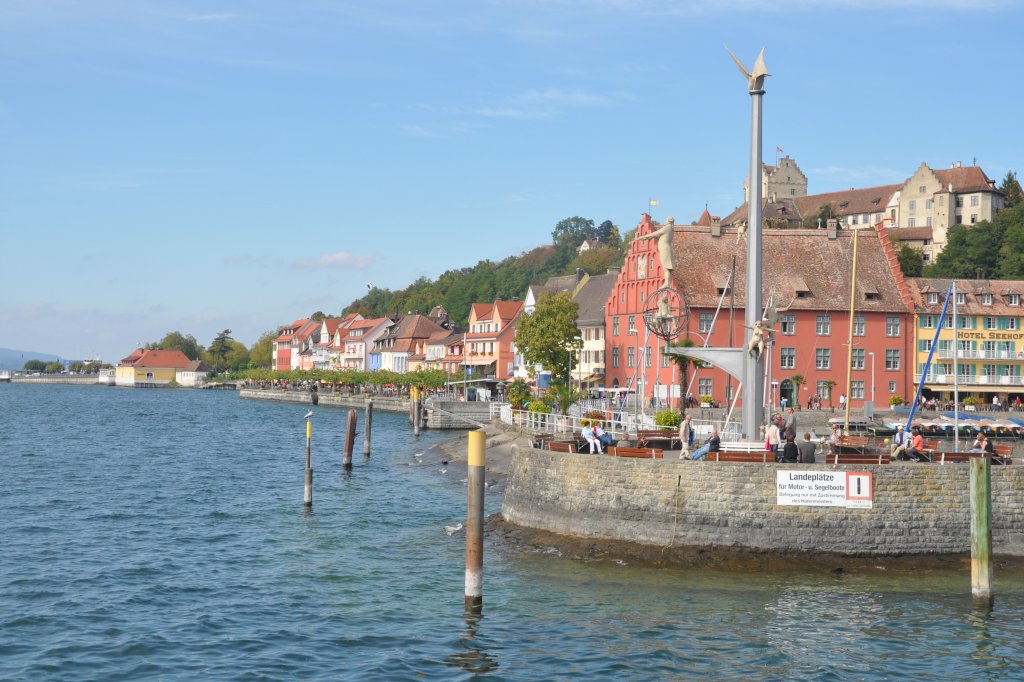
column 917, row 509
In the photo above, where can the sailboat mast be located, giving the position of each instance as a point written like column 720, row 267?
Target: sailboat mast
column 849, row 343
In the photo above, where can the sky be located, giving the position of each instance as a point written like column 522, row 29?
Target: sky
column 197, row 166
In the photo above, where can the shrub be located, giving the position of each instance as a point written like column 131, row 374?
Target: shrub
column 539, row 406
column 705, row 399
column 895, row 400
column 518, row 393
column 970, row 400
column 668, row 417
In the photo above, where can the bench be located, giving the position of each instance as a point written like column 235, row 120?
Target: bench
column 759, row 456
column 646, row 437
column 743, row 446
column 851, row 443
column 640, row 453
column 557, row 446
column 880, row 457
column 952, row 457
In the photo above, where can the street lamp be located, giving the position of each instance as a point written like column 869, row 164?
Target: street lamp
column 872, row 381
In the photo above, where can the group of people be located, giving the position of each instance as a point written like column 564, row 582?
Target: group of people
column 596, row 437
column 908, row 448
column 780, row 439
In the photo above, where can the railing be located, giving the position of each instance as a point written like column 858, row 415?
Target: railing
column 620, row 426
column 981, row 380
column 947, row 354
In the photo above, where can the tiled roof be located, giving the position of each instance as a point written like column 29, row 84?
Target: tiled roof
column 1000, row 289
column 163, row 359
column 591, row 299
column 846, row 202
column 964, row 179
column 907, row 234
column 701, row 260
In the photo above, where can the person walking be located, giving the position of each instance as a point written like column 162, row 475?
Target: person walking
column 773, row 435
column 685, row 437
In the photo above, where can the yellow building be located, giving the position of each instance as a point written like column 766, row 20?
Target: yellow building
column 150, row 367
column 989, row 339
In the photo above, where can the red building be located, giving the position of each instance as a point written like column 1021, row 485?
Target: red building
column 807, row 275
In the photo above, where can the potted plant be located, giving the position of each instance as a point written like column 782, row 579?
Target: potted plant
column 895, row 401
column 668, row 418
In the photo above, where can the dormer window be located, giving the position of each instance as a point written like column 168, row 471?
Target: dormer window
column 986, row 299
column 872, row 296
column 961, row 299
column 933, row 298
column 1013, row 299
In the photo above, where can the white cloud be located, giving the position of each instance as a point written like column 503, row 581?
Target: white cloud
column 341, row 260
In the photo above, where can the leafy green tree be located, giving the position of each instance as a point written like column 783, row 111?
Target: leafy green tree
column 595, row 261
column 798, row 380
column 549, row 335
column 318, row 316
column 1011, row 190
column 911, row 260
column 562, row 396
column 573, row 231
column 35, row 366
column 186, row 343
column 971, row 252
column 821, row 217
column 54, row 368
column 261, row 353
column 518, row 393
column 1011, row 265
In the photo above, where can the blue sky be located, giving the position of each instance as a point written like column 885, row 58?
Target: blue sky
column 196, row 166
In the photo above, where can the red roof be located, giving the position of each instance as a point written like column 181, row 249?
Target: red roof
column 163, row 359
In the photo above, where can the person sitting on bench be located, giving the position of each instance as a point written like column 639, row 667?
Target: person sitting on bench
column 915, row 452
column 900, row 441
column 591, row 438
column 712, row 444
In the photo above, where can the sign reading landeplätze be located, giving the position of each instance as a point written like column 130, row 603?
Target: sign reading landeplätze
column 850, row 489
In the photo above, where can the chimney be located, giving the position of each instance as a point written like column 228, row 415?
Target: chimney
column 716, row 229
column 832, row 227
column 959, row 164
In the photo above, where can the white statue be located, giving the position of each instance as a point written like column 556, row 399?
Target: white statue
column 758, row 339
column 664, row 235
column 755, row 77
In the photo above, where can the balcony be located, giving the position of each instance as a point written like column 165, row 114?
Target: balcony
column 981, row 355
column 981, row 380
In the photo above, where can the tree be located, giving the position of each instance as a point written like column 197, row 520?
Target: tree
column 549, row 335
column 35, row 365
column 911, row 260
column 53, row 368
column 261, row 353
column 518, row 393
column 821, row 217
column 797, row 380
column 573, row 231
column 186, row 343
column 595, row 261
column 219, row 349
column 318, row 316
column 1011, row 190
column 604, row 231
column 971, row 252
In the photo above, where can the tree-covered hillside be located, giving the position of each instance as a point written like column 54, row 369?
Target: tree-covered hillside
column 507, row 279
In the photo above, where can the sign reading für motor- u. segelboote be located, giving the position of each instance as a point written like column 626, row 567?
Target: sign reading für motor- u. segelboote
column 850, row 489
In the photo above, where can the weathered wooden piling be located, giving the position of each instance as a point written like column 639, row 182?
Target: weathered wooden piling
column 477, row 461
column 350, row 439
column 982, row 592
column 415, row 406
column 307, row 497
column 366, row 428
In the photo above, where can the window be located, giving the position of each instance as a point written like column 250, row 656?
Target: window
column 892, row 325
column 787, row 358
column 615, row 356
column 933, row 298
column 857, row 358
column 927, row 322
column 857, row 390
column 961, row 299
column 892, row 359
column 942, row 200
column 647, row 356
column 975, row 200
column 665, row 359
column 615, row 326
column 1011, row 323
column 928, row 221
column 928, row 203
column 704, row 387
column 959, row 202
column 824, row 325
column 858, row 325
column 913, row 204
column 704, row 322
column 824, row 392
column 911, row 222
column 991, row 323
column 631, row 321
column 892, row 387
column 630, row 357
column 974, row 218
column 1013, row 299
column 788, row 324
column 823, row 358
column 922, row 189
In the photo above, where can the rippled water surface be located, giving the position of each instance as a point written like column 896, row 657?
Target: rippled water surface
column 160, row 534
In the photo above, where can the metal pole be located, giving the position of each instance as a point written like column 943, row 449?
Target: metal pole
column 477, row 461
column 350, row 439
column 414, row 400
column 753, row 368
column 367, row 427
column 849, row 347
column 307, row 497
column 982, row 591
column 956, row 375
column 872, row 383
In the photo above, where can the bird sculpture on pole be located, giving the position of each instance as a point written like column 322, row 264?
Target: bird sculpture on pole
column 755, row 77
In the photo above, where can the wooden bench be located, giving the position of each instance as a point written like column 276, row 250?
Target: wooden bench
column 646, row 437
column 952, row 457
column 880, row 457
column 640, row 453
column 557, row 446
column 851, row 444
column 760, row 456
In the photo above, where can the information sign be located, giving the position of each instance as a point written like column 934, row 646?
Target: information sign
column 850, row 489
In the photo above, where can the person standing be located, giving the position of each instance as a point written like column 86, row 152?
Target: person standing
column 685, row 437
column 842, row 402
column 789, row 424
column 772, row 434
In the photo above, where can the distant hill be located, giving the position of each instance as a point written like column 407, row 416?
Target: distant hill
column 16, row 359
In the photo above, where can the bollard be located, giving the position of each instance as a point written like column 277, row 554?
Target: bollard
column 366, row 428
column 412, row 405
column 475, row 521
column 307, row 497
column 416, row 414
column 350, row 439
column 982, row 592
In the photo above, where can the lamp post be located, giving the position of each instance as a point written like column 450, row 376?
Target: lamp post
column 872, row 355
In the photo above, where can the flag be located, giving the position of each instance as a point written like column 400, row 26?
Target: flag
column 653, row 202
column 778, row 150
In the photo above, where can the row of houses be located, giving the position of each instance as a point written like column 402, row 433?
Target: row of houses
column 808, row 281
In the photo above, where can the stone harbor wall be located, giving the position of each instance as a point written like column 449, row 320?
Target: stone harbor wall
column 916, row 508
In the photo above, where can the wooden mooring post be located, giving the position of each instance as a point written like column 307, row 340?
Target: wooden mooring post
column 414, row 399
column 350, row 439
column 982, row 592
column 366, row 428
column 477, row 461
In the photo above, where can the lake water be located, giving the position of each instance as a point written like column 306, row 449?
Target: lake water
column 160, row 534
